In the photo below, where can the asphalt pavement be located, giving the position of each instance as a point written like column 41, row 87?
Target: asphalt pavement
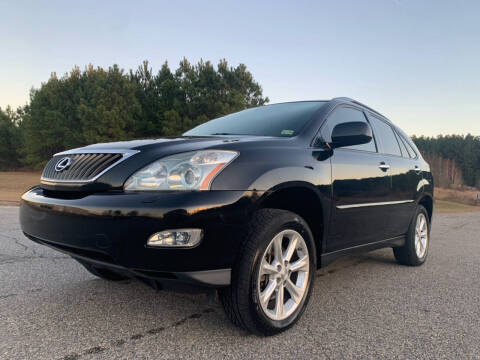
column 364, row 306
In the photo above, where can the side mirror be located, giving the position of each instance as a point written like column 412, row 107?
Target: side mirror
column 351, row 133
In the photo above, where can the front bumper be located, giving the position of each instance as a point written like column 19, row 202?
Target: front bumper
column 111, row 230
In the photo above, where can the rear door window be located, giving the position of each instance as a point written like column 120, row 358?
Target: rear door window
column 386, row 135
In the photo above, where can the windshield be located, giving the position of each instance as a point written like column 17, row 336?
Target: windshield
column 280, row 120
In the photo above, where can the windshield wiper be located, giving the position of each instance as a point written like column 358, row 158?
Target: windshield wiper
column 225, row 133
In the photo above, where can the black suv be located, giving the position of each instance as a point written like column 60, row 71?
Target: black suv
column 251, row 203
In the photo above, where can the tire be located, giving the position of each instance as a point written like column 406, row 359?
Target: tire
column 242, row 299
column 415, row 250
column 104, row 274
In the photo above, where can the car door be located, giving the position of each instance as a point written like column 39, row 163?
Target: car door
column 359, row 182
column 405, row 177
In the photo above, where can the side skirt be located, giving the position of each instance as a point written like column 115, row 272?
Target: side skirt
column 327, row 258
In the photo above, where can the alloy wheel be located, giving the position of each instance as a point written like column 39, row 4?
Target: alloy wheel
column 283, row 275
column 421, row 236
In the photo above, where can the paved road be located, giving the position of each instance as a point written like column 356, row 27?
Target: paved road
column 363, row 307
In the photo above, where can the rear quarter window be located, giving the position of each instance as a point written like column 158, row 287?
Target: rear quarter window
column 412, row 149
column 403, row 147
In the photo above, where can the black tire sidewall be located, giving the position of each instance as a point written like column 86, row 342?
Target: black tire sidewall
column 286, row 221
column 411, row 237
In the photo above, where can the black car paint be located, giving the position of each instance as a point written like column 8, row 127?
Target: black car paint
column 101, row 223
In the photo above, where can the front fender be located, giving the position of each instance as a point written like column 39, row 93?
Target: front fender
column 262, row 171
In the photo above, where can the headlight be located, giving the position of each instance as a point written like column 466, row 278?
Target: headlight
column 186, row 171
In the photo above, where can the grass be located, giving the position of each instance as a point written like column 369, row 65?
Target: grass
column 14, row 183
column 447, row 206
column 463, row 195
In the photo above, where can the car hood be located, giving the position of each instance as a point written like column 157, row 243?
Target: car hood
column 191, row 143
column 141, row 153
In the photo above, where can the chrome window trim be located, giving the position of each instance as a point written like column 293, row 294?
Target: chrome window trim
column 382, row 203
column 126, row 153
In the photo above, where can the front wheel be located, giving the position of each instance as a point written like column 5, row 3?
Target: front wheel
column 273, row 276
column 415, row 250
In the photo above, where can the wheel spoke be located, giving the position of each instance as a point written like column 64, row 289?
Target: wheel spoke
column 422, row 223
column 267, row 293
column 295, row 292
column 290, row 249
column 277, row 248
column 279, row 302
column 424, row 243
column 268, row 268
column 300, row 265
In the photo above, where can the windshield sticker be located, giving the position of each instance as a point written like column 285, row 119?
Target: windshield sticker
column 287, row 132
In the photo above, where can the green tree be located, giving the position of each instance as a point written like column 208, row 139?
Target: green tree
column 465, row 150
column 51, row 123
column 173, row 124
column 109, row 109
column 82, row 107
column 100, row 105
column 149, row 97
column 10, row 140
column 174, row 102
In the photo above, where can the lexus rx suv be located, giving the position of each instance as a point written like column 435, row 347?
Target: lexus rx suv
column 251, row 204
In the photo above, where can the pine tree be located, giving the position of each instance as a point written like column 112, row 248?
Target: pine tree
column 102, row 105
column 10, row 140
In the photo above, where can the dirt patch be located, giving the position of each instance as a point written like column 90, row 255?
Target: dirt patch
column 468, row 196
column 445, row 206
column 14, row 183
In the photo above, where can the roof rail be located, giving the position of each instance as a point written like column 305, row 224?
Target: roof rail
column 343, row 98
column 357, row 103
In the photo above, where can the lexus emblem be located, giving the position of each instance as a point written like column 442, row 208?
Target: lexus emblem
column 63, row 163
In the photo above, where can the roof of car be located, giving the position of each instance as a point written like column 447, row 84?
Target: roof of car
column 352, row 101
column 342, row 99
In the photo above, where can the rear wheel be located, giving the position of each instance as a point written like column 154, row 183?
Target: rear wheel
column 415, row 250
column 273, row 277
column 104, row 274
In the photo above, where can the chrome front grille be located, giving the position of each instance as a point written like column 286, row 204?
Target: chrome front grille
column 82, row 166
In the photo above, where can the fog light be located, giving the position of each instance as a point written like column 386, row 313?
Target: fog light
column 176, row 238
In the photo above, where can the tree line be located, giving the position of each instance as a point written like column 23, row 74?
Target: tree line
column 446, row 153
column 100, row 105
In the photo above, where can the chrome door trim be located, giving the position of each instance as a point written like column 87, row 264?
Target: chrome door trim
column 373, row 204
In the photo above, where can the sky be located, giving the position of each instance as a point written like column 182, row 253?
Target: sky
column 415, row 61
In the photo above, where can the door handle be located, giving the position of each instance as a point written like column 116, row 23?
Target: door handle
column 417, row 170
column 383, row 166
